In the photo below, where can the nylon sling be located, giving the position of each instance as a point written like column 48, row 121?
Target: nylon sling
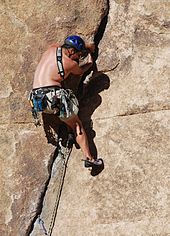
column 59, row 62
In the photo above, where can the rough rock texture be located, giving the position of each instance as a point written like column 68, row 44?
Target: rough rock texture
column 27, row 28
column 137, row 41
column 23, row 175
column 130, row 117
column 131, row 195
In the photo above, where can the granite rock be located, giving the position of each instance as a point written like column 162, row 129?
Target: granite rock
column 125, row 111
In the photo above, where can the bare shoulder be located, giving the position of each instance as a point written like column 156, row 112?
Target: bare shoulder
column 54, row 45
column 50, row 51
column 68, row 63
column 51, row 48
column 70, row 66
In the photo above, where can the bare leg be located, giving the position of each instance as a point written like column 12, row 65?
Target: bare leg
column 81, row 138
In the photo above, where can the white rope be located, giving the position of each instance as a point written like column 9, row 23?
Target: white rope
column 64, row 157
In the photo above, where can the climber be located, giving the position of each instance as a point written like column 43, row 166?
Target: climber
column 48, row 94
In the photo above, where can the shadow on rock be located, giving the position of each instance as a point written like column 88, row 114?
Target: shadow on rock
column 90, row 99
column 54, row 129
column 97, row 169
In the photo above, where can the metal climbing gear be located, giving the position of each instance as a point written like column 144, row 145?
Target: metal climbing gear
column 42, row 226
column 53, row 100
column 35, row 113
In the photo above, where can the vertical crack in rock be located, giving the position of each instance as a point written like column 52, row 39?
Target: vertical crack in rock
column 43, row 193
column 101, row 29
column 43, row 222
column 97, row 38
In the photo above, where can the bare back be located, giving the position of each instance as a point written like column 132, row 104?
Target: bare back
column 46, row 73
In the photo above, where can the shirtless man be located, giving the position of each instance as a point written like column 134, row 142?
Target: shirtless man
column 47, row 79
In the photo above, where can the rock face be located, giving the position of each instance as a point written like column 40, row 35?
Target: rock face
column 27, row 28
column 128, row 101
column 130, row 197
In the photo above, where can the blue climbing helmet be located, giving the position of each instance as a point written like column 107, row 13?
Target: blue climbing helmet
column 75, row 42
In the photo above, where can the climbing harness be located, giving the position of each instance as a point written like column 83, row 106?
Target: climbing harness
column 53, row 100
column 64, row 153
column 59, row 62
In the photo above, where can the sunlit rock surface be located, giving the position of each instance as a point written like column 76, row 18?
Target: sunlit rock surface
column 129, row 105
column 27, row 28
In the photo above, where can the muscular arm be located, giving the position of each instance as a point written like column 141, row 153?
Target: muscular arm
column 79, row 68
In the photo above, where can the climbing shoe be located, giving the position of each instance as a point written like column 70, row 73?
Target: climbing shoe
column 96, row 163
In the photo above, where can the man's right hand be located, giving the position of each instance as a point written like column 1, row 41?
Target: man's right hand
column 91, row 47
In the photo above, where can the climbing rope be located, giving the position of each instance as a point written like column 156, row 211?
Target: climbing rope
column 64, row 157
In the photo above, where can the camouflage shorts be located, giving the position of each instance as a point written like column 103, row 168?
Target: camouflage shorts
column 55, row 100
